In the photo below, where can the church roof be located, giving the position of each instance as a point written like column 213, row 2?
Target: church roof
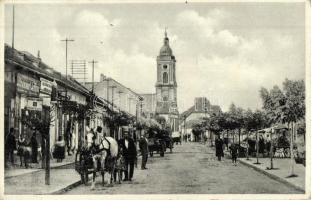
column 166, row 49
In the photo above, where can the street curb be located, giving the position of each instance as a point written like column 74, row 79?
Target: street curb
column 65, row 189
column 38, row 170
column 272, row 176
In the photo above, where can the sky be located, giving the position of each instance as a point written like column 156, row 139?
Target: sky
column 224, row 51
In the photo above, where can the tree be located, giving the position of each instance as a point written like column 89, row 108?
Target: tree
column 293, row 110
column 273, row 100
column 197, row 130
column 285, row 107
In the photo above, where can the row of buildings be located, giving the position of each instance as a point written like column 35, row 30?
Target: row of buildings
column 35, row 92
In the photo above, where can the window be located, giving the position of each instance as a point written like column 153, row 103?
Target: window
column 165, row 98
column 165, row 77
column 165, row 67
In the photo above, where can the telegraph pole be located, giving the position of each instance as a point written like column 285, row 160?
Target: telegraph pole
column 93, row 63
column 67, row 40
column 13, row 27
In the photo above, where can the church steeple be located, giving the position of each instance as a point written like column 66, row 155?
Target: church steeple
column 166, row 40
column 166, row 49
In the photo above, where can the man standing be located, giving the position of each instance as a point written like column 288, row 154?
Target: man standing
column 34, row 147
column 10, row 146
column 143, row 146
column 130, row 155
column 219, row 150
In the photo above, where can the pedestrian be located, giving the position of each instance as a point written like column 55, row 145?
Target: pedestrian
column 34, row 148
column 234, row 153
column 261, row 144
column 10, row 146
column 130, row 155
column 219, row 148
column 59, row 149
column 143, row 146
column 68, row 136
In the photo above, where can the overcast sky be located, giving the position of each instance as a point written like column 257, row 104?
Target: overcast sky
column 224, row 51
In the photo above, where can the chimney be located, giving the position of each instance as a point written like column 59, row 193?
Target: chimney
column 102, row 77
column 39, row 55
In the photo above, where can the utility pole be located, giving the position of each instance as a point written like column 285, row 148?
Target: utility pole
column 93, row 63
column 13, row 29
column 67, row 40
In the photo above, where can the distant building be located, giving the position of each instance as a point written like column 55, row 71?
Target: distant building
column 148, row 105
column 117, row 95
column 201, row 109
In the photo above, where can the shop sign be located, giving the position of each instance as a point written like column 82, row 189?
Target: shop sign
column 27, row 85
column 46, row 86
column 34, row 104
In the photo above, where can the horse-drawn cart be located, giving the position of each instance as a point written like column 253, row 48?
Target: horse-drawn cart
column 84, row 164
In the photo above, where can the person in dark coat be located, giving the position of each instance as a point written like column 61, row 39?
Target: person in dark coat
column 10, row 145
column 68, row 136
column 234, row 153
column 130, row 155
column 143, row 146
column 261, row 144
column 59, row 149
column 34, row 148
column 219, row 148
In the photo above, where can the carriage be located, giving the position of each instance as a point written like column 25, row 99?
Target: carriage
column 156, row 144
column 84, row 164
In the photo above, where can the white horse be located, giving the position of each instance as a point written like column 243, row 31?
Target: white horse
column 106, row 156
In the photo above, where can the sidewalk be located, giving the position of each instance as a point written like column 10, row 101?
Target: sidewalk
column 281, row 171
column 32, row 181
column 17, row 170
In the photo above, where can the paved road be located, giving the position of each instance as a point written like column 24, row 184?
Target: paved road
column 191, row 169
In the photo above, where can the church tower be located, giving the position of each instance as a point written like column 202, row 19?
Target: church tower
column 166, row 85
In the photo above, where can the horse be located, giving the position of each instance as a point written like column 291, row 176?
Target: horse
column 104, row 156
column 24, row 152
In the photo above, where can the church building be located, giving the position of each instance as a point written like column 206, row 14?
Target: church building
column 166, row 86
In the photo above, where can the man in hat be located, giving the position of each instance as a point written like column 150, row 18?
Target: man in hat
column 129, row 153
column 143, row 145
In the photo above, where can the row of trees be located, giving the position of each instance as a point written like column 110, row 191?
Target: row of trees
column 285, row 106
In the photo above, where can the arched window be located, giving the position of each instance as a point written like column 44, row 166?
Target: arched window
column 165, row 77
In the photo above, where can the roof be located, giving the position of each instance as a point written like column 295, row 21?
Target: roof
column 89, row 86
column 187, row 112
column 30, row 62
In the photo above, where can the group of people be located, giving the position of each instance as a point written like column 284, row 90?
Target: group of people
column 12, row 144
column 219, row 144
column 127, row 150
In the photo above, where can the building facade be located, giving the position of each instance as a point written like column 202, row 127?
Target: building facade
column 166, row 85
column 29, row 83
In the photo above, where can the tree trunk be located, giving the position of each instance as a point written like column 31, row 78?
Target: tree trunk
column 257, row 148
column 227, row 139
column 247, row 147
column 292, row 161
column 271, row 152
column 239, row 141
column 47, row 160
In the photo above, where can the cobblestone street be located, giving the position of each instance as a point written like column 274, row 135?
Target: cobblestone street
column 192, row 168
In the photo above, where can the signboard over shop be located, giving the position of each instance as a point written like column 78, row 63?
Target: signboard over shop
column 46, row 86
column 34, row 104
column 27, row 85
